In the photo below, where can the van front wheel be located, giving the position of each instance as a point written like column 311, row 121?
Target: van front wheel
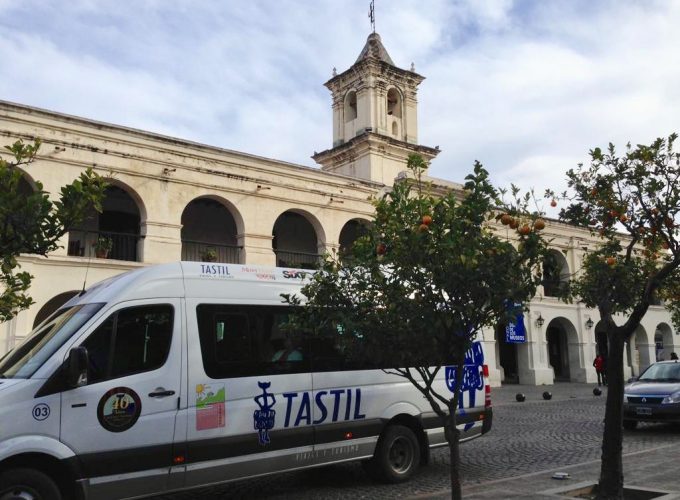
column 27, row 484
column 397, row 455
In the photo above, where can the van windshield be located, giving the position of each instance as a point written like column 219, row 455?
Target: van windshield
column 25, row 359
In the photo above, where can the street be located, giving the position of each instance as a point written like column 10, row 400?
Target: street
column 526, row 437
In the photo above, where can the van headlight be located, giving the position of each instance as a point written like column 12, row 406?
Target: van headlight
column 673, row 398
column 625, row 398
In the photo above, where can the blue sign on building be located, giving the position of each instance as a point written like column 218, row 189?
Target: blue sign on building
column 516, row 333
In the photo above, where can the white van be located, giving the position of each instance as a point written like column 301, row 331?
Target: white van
column 177, row 376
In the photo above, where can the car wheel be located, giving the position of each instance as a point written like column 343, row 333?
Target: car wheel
column 397, row 455
column 630, row 425
column 27, row 484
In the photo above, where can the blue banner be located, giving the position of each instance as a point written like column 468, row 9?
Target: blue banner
column 516, row 333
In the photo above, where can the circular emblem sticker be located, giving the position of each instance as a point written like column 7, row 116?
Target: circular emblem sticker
column 119, row 409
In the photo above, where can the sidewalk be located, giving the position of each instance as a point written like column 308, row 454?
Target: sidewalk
column 653, row 469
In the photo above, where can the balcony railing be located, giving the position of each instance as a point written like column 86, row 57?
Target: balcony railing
column 81, row 243
column 300, row 260
column 202, row 251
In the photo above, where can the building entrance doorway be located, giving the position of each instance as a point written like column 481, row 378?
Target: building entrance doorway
column 558, row 352
column 507, row 356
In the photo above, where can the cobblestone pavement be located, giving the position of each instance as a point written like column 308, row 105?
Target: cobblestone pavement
column 526, row 437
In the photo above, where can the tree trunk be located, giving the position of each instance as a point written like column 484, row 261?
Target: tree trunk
column 453, row 437
column 611, row 471
column 453, row 434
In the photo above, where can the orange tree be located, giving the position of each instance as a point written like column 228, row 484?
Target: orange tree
column 32, row 223
column 632, row 203
column 429, row 274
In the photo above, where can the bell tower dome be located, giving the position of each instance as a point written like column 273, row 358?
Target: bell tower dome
column 375, row 124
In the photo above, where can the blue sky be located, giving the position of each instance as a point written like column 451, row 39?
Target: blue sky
column 526, row 87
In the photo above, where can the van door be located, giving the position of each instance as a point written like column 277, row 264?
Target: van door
column 121, row 424
column 250, row 407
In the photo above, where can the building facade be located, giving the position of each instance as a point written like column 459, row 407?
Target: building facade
column 171, row 199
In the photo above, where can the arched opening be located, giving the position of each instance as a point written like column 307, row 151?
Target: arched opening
column 25, row 188
column 560, row 335
column 352, row 231
column 209, row 233
column 663, row 338
column 555, row 274
column 394, row 103
column 295, row 241
column 601, row 342
column 350, row 106
column 507, row 356
column 113, row 234
column 642, row 349
column 658, row 346
column 52, row 305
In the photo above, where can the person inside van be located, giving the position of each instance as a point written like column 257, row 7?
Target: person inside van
column 288, row 353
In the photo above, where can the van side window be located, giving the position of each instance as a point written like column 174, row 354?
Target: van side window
column 241, row 341
column 130, row 341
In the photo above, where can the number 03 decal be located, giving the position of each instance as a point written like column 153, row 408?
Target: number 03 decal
column 41, row 411
column 119, row 409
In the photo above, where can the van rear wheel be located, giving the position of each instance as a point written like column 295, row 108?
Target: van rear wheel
column 397, row 455
column 27, row 484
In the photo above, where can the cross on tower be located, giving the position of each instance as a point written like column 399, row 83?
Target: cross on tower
column 371, row 15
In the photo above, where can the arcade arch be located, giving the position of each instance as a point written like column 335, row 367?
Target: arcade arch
column 562, row 344
column 351, row 231
column 209, row 232
column 297, row 238
column 26, row 186
column 506, row 354
column 116, row 227
column 52, row 305
column 663, row 340
column 555, row 273
column 601, row 341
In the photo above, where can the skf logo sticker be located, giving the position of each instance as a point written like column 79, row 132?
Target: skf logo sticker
column 295, row 275
column 119, row 409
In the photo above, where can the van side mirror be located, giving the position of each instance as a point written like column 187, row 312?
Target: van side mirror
column 632, row 379
column 76, row 367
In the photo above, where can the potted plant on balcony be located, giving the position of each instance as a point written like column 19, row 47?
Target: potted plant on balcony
column 102, row 247
column 209, row 255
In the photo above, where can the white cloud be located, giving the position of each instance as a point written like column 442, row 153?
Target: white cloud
column 525, row 87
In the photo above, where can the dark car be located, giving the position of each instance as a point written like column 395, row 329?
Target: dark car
column 654, row 396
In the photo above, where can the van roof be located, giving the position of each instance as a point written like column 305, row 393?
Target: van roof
column 198, row 279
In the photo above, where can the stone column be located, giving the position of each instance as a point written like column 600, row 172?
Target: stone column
column 160, row 242
column 257, row 249
column 532, row 358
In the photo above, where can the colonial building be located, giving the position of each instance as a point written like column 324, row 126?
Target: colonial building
column 171, row 199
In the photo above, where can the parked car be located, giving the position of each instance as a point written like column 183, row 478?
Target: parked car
column 654, row 396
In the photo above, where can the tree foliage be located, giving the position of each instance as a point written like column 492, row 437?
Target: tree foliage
column 31, row 223
column 430, row 273
column 632, row 202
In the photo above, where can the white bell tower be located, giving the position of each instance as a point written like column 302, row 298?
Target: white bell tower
column 375, row 124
